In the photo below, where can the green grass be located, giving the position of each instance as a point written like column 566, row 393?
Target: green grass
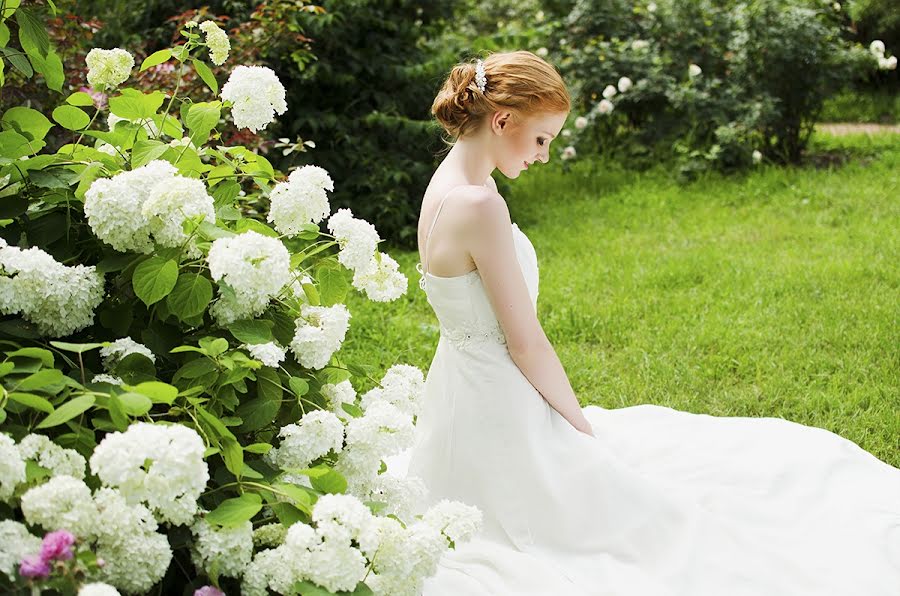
column 877, row 106
column 770, row 294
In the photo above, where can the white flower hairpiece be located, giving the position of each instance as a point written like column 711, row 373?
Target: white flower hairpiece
column 480, row 78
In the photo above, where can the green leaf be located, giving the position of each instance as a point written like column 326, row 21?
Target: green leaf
column 145, row 151
column 117, row 413
column 32, row 35
column 157, row 391
column 201, row 118
column 80, row 98
column 67, row 411
column 77, row 348
column 135, row 404
column 18, row 61
column 332, row 283
column 288, row 515
column 155, row 58
column 329, row 482
column 232, row 512
column 196, row 368
column 51, row 67
column 40, row 379
column 258, row 448
column 301, row 498
column 233, row 455
column 45, row 356
column 27, row 120
column 207, row 75
column 134, row 105
column 299, row 386
column 190, row 296
column 154, row 279
column 71, row 117
column 310, row 589
column 252, row 331
column 33, row 401
column 13, row 145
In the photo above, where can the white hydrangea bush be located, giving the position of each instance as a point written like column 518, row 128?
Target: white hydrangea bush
column 181, row 396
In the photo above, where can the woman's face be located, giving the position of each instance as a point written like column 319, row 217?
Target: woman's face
column 526, row 141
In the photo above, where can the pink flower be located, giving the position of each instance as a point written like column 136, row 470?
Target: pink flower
column 57, row 545
column 208, row 591
column 98, row 96
column 34, row 566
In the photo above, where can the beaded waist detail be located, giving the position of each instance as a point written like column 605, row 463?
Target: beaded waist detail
column 464, row 337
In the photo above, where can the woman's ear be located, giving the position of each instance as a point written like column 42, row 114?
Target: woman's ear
column 500, row 121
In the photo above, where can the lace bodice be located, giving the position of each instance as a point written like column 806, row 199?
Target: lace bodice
column 465, row 315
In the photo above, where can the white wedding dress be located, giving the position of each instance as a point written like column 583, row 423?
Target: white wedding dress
column 660, row 503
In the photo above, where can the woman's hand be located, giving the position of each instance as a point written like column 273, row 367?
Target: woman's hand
column 584, row 426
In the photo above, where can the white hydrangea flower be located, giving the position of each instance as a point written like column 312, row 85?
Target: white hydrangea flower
column 318, row 433
column 119, row 517
column 97, row 589
column 16, row 542
column 383, row 429
column 12, row 467
column 319, row 333
column 624, row 84
column 406, row 558
column 108, row 68
column 359, row 465
column 887, row 63
column 694, row 70
column 403, row 496
column 605, row 106
column 254, row 267
column 300, row 200
column 581, row 122
column 59, row 300
column 402, row 386
column 566, row 133
column 44, row 452
column 256, row 96
column 122, row 347
column 340, row 517
column 171, row 202
column 336, row 566
column 105, row 378
column 216, row 41
column 135, row 562
column 113, row 206
column 609, row 92
column 160, row 465
column 542, row 52
column 356, row 238
column 381, row 279
column 61, row 503
column 651, row 7
column 230, row 549
column 380, row 529
column 275, row 568
column 270, row 354
column 568, row 152
column 337, row 395
column 269, row 535
column 456, row 520
column 877, row 48
column 757, row 156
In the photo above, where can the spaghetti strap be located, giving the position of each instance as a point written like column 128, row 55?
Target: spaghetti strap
column 434, row 221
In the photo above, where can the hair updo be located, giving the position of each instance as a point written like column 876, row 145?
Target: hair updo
column 520, row 82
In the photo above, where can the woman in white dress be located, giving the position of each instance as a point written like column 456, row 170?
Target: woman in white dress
column 636, row 501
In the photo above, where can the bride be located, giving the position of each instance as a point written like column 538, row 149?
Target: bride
column 636, row 501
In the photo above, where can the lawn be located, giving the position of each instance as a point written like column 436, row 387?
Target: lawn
column 774, row 293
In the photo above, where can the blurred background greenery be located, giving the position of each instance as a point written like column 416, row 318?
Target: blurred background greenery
column 361, row 75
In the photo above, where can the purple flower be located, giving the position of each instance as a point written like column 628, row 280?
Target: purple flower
column 34, row 566
column 208, row 591
column 57, row 545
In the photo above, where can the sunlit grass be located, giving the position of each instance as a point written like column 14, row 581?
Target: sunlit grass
column 770, row 294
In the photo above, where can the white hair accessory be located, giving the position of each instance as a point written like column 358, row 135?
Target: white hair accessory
column 480, row 78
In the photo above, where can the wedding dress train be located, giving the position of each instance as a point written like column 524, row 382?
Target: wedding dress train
column 661, row 502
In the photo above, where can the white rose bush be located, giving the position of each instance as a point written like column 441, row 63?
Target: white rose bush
column 174, row 408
